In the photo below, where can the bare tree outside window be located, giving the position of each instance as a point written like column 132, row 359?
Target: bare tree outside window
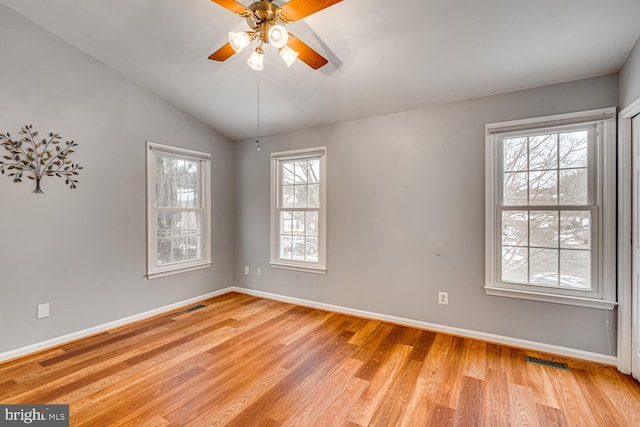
column 546, row 222
column 178, row 220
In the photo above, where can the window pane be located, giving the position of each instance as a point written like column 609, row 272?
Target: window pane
column 298, row 223
column 177, row 219
column 174, row 224
column 185, row 195
column 545, row 241
column 188, row 223
column 285, row 222
column 164, row 251
column 312, row 223
column 544, row 266
column 161, row 183
column 543, row 152
column 574, row 188
column 575, row 229
column 544, row 229
column 297, row 231
column 574, row 152
column 543, row 188
column 179, row 249
column 176, row 182
column 514, row 157
column 312, row 249
column 301, row 172
column 193, row 250
column 160, row 167
column 515, row 189
column 300, row 196
column 298, row 235
column 163, row 225
column 515, row 228
column 314, row 171
column 514, row 264
column 288, row 200
column 160, row 199
column 314, row 195
column 178, row 237
column 575, row 268
column 298, row 248
column 285, row 247
column 287, row 173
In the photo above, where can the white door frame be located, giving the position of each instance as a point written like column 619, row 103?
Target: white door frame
column 625, row 174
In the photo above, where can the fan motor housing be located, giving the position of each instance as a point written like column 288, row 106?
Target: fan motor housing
column 263, row 10
column 262, row 19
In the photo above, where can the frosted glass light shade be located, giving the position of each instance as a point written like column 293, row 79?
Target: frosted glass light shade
column 256, row 60
column 239, row 41
column 278, row 36
column 289, row 55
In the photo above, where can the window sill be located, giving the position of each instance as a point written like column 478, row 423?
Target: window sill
column 557, row 299
column 177, row 270
column 295, row 267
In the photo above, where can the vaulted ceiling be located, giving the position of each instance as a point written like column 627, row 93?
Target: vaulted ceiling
column 384, row 56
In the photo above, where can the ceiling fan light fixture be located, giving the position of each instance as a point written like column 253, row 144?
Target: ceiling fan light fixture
column 256, row 60
column 278, row 36
column 239, row 41
column 289, row 55
column 267, row 20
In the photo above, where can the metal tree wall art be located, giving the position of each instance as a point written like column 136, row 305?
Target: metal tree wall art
column 37, row 159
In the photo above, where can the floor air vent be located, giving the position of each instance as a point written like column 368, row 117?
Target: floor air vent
column 549, row 363
column 194, row 308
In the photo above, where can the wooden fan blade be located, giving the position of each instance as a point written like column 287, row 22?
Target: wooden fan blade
column 223, row 53
column 307, row 55
column 298, row 9
column 232, row 5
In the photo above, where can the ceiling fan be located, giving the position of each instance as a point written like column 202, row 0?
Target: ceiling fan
column 267, row 21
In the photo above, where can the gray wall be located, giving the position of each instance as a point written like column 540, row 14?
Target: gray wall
column 630, row 77
column 403, row 188
column 84, row 250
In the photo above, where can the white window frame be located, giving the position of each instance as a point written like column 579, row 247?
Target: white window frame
column 603, row 280
column 204, row 208
column 275, row 261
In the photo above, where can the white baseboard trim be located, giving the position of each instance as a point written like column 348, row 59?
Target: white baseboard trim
column 483, row 336
column 467, row 333
column 12, row 354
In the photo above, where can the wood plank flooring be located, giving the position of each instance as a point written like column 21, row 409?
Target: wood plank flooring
column 246, row 361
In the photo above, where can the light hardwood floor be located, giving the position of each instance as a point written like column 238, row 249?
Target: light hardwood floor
column 249, row 361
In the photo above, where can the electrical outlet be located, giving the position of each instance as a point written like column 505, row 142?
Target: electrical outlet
column 258, row 271
column 246, row 270
column 443, row 297
column 43, row 310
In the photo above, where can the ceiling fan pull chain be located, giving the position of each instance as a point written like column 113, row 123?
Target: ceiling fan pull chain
column 258, row 110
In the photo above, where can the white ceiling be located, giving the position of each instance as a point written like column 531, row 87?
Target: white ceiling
column 385, row 56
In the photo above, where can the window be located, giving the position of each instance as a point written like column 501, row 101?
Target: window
column 298, row 206
column 550, row 200
column 178, row 210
